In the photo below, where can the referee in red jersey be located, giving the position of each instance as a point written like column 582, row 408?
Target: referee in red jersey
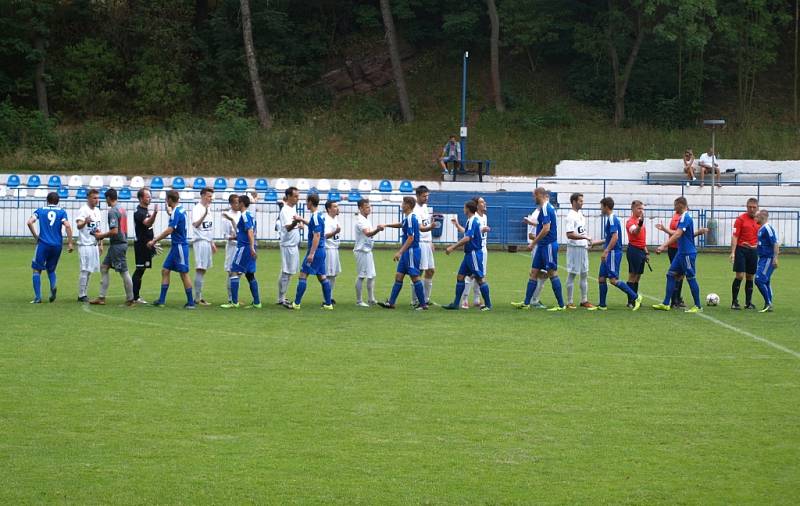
column 743, row 254
column 637, row 253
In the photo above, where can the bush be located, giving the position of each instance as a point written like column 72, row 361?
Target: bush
column 25, row 128
column 233, row 130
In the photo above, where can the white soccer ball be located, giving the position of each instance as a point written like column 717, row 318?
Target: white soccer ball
column 712, row 299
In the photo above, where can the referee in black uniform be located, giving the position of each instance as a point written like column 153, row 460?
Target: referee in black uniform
column 143, row 221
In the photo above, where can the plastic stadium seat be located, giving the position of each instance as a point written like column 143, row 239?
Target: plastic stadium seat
column 96, row 182
column 137, row 183
column 125, row 194
column 261, row 185
column 354, row 196
column 313, row 191
column 40, row 193
column 75, row 181
column 3, row 192
column 303, row 185
column 199, row 183
column 240, row 185
column 385, row 186
column 81, row 193
column 406, row 187
column 220, row 184
column 271, row 195
column 334, row 196
column 187, row 195
column 162, row 195
column 178, row 183
column 34, row 181
column 365, row 186
column 157, row 183
column 324, row 185
column 13, row 181
column 63, row 192
column 281, row 184
column 116, row 182
column 344, row 186
column 375, row 196
column 54, row 182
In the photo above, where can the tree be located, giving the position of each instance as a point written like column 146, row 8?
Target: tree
column 494, row 44
column 397, row 64
column 264, row 118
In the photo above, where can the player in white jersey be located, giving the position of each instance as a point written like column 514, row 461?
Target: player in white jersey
column 426, row 264
column 229, row 233
column 89, row 249
column 203, row 244
column 289, row 237
column 333, row 266
column 483, row 220
column 532, row 221
column 578, row 244
column 365, row 265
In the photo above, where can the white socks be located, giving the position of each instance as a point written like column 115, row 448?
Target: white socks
column 104, row 284
column 198, row 285
column 283, row 285
column 127, row 282
column 371, row 290
column 83, row 283
column 584, row 287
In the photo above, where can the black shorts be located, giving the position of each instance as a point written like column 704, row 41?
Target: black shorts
column 745, row 260
column 144, row 255
column 636, row 257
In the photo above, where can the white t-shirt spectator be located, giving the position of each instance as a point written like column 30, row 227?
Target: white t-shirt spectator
column 707, row 160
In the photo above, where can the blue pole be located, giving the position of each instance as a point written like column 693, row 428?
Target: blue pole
column 464, row 107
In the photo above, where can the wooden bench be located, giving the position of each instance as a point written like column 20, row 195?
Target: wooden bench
column 725, row 178
column 462, row 167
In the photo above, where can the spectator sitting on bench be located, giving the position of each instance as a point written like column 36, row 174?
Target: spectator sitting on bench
column 450, row 153
column 688, row 165
column 706, row 161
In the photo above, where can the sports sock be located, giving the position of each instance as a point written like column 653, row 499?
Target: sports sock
column 228, row 286
column 467, row 285
column 769, row 290
column 695, row 288
column 671, row 290
column 234, row 283
column 198, row 285
column 137, row 281
column 748, row 292
column 678, row 291
column 163, row 297
column 51, row 276
column 427, row 284
column 570, row 287
column 460, row 287
column 420, row 289
column 189, row 299
column 762, row 287
column 635, row 287
column 283, row 285
column 735, row 290
column 37, row 285
column 254, row 291
column 327, row 289
column 332, row 281
column 103, row 284
column 529, row 291
column 603, row 293
column 476, row 293
column 627, row 289
column 371, row 289
column 485, row 294
column 398, row 285
column 584, row 287
column 127, row 283
column 359, row 290
column 537, row 293
column 301, row 289
column 556, row 282
column 83, row 283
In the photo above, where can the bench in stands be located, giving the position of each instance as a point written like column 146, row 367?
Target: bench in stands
column 479, row 167
column 725, row 178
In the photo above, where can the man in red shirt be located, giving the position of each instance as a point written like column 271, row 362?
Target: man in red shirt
column 637, row 246
column 743, row 254
column 677, row 299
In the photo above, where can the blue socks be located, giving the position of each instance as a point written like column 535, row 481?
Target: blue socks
column 556, row 282
column 459, row 292
column 603, row 293
column 695, row 288
column 529, row 291
column 765, row 291
column 670, row 289
column 628, row 290
column 37, row 285
column 254, row 291
column 419, row 289
column 52, row 277
column 301, row 289
column 485, row 294
column 163, row 298
column 189, row 299
column 235, row 289
column 398, row 285
column 326, row 291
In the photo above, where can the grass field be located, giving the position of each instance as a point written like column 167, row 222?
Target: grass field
column 146, row 405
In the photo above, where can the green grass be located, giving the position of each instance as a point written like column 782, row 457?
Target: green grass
column 145, row 405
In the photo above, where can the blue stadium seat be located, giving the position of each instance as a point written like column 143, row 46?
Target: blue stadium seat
column 178, row 183
column 63, row 192
column 240, row 185
column 385, row 186
column 81, row 193
column 220, row 184
column 313, row 191
column 157, row 183
column 271, row 195
column 262, row 185
column 125, row 194
column 199, row 183
column 406, row 187
column 334, row 196
column 354, row 196
column 34, row 181
column 13, row 181
column 54, row 182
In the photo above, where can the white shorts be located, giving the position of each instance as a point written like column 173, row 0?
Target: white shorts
column 485, row 260
column 202, row 255
column 290, row 259
column 577, row 259
column 90, row 258
column 333, row 265
column 365, row 265
column 230, row 253
column 426, row 256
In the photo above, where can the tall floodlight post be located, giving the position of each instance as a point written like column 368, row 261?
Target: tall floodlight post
column 713, row 124
column 463, row 133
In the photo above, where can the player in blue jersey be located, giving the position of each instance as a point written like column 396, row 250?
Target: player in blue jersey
column 244, row 259
column 545, row 252
column 612, row 257
column 408, row 256
column 314, row 262
column 472, row 264
column 768, row 249
column 178, row 257
column 684, row 261
column 49, row 243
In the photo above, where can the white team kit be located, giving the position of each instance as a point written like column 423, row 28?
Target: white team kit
column 229, row 230
column 534, row 219
column 577, row 249
column 483, row 219
column 333, row 266
column 426, row 260
column 289, row 240
column 365, row 264
column 203, row 236
column 87, row 244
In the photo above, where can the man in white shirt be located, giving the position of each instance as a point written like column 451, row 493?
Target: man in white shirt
column 203, row 243
column 289, row 237
column 229, row 233
column 578, row 243
column 426, row 263
column 89, row 249
column 708, row 163
column 333, row 266
column 365, row 265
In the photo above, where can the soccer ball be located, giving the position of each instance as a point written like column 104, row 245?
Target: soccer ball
column 712, row 299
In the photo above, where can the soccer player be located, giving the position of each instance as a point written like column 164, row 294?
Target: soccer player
column 768, row 250
column 117, row 255
column 178, row 257
column 203, row 245
column 333, row 265
column 743, row 254
column 49, row 244
column 637, row 253
column 289, row 236
column 314, row 262
column 545, row 256
column 469, row 280
column 89, row 249
column 578, row 243
column 612, row 257
column 407, row 257
column 472, row 264
column 532, row 222
column 676, row 300
column 426, row 263
column 143, row 221
column 365, row 265
column 229, row 232
column 684, row 261
column 244, row 260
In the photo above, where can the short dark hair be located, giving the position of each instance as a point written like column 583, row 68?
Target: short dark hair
column 682, row 200
column 607, row 202
column 206, row 190
column 636, row 203
column 574, row 197
column 363, row 202
column 140, row 193
column 111, row 194
column 53, row 198
column 328, row 204
column 752, row 200
column 313, row 199
column 244, row 200
column 411, row 201
column 289, row 191
column 232, row 197
column 472, row 206
column 93, row 191
column 173, row 196
column 422, row 189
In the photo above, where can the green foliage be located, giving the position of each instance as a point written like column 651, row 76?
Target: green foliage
column 233, row 130
column 25, row 128
column 88, row 74
column 158, row 89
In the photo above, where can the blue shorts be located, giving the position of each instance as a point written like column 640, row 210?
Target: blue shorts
column 545, row 257
column 178, row 258
column 243, row 262
column 683, row 264
column 764, row 270
column 409, row 262
column 610, row 268
column 636, row 259
column 45, row 258
column 472, row 265
column 317, row 267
